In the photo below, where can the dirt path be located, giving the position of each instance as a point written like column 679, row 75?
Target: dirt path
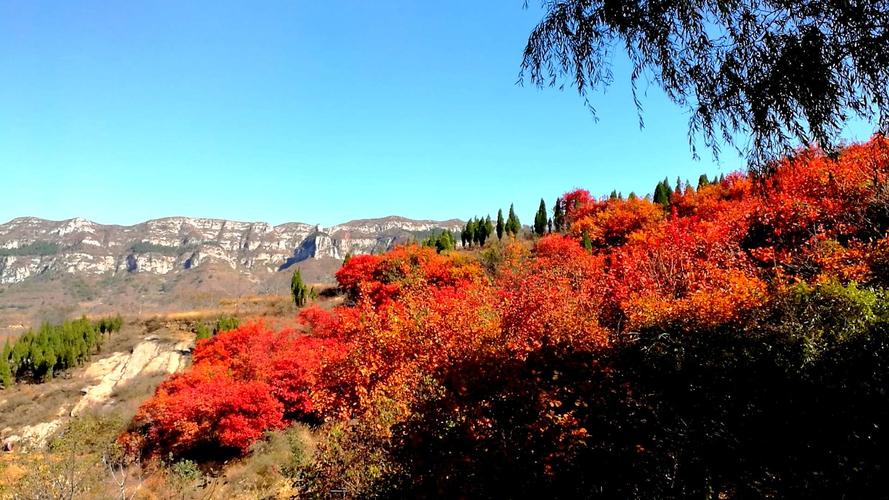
column 103, row 382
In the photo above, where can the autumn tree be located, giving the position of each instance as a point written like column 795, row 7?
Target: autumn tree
column 779, row 74
column 540, row 219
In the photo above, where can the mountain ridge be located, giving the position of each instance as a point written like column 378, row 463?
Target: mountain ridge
column 31, row 245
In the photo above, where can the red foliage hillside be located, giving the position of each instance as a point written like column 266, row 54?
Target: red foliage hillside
column 715, row 257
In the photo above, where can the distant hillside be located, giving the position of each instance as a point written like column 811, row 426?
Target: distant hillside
column 49, row 269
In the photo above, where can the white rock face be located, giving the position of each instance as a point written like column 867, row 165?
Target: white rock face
column 31, row 246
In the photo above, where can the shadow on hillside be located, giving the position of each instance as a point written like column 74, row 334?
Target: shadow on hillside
column 708, row 415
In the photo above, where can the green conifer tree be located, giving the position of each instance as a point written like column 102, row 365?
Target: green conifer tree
column 703, row 181
column 500, row 223
column 6, row 378
column 513, row 226
column 298, row 289
column 660, row 195
column 587, row 242
column 558, row 216
column 540, row 219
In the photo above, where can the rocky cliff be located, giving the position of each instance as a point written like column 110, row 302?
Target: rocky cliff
column 31, row 247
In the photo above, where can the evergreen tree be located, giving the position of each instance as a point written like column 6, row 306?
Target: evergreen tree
column 613, row 195
column 513, row 226
column 558, row 216
column 5, row 369
column 632, row 196
column 298, row 289
column 660, row 195
column 470, row 232
column 489, row 227
column 587, row 242
column 668, row 189
column 721, row 178
column 703, row 181
column 499, row 223
column 540, row 219
column 477, row 230
column 549, row 226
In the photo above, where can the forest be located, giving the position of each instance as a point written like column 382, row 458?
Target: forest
column 37, row 355
column 723, row 340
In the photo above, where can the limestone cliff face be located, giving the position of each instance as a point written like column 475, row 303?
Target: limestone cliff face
column 32, row 247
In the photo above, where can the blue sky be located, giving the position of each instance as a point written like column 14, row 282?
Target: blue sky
column 317, row 112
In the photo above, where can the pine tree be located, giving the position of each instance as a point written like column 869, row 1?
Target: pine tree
column 5, row 369
column 540, row 219
column 470, row 232
column 481, row 233
column 703, row 181
column 489, row 227
column 587, row 242
column 513, row 226
column 632, row 196
column 298, row 289
column 668, row 189
column 499, row 223
column 558, row 216
column 660, row 195
column 549, row 226
column 613, row 195
column 721, row 178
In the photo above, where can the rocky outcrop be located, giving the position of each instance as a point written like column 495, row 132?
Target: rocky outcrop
column 31, row 247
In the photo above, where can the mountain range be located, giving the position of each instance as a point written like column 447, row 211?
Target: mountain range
column 74, row 265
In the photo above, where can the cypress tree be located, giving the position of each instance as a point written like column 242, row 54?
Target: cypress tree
column 558, row 216
column 298, row 289
column 499, row 223
column 632, row 196
column 703, row 181
column 489, row 227
column 667, row 188
column 549, row 226
column 660, row 195
column 587, row 242
column 470, row 232
column 480, row 235
column 613, row 195
column 5, row 369
column 513, row 226
column 540, row 219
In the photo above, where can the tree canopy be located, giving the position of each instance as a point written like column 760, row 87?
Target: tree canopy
column 779, row 73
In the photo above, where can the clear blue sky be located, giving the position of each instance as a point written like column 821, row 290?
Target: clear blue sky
column 305, row 111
